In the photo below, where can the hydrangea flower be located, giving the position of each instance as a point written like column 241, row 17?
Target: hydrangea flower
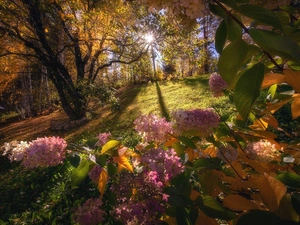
column 43, row 152
column 89, row 213
column 263, row 151
column 103, row 138
column 201, row 120
column 217, row 85
column 227, row 153
column 152, row 128
column 15, row 150
column 95, row 173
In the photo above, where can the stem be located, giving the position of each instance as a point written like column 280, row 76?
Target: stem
column 246, row 30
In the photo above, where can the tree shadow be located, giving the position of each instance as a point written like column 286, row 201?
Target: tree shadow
column 161, row 102
column 196, row 80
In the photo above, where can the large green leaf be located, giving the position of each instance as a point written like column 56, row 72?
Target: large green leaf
column 234, row 30
column 110, row 145
column 259, row 217
column 221, row 36
column 290, row 179
column 231, row 60
column 212, row 208
column 230, row 3
column 276, row 44
column 217, row 10
column 187, row 142
column 80, row 173
column 247, row 89
column 260, row 14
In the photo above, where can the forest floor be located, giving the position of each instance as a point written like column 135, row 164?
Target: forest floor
column 30, row 128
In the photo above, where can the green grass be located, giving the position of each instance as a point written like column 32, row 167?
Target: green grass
column 44, row 196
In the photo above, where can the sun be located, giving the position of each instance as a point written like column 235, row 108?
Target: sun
column 149, row 38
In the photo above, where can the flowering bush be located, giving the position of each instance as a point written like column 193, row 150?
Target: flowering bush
column 217, row 85
column 89, row 213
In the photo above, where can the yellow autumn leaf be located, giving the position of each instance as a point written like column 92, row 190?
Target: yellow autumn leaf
column 170, row 142
column 272, row 78
column 239, row 203
column 271, row 190
column 123, row 162
column 259, row 124
column 295, row 108
column 293, row 79
column 273, row 107
column 102, row 181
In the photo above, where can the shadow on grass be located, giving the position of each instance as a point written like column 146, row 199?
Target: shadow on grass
column 196, row 80
column 163, row 109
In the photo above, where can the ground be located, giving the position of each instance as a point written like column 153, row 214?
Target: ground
column 29, row 129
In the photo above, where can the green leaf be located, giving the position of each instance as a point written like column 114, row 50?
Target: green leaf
column 205, row 164
column 217, row 10
column 260, row 14
column 91, row 143
column 230, row 3
column 111, row 169
column 101, row 159
column 276, row 44
column 80, row 173
column 110, row 145
column 290, row 179
column 231, row 60
column 74, row 160
column 212, row 208
column 295, row 197
column 187, row 142
column 272, row 90
column 247, row 89
column 221, row 36
column 234, row 30
column 259, row 217
column 294, row 65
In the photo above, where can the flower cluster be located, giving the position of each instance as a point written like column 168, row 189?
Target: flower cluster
column 165, row 163
column 95, row 173
column 201, row 120
column 103, row 138
column 263, row 151
column 47, row 151
column 152, row 128
column 227, row 153
column 15, row 150
column 133, row 189
column 89, row 213
column 217, row 84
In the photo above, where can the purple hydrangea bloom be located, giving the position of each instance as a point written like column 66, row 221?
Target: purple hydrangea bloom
column 217, row 84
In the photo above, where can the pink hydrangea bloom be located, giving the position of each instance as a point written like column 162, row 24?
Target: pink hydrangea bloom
column 227, row 153
column 15, row 150
column 152, row 128
column 201, row 120
column 95, row 173
column 217, row 84
column 89, row 213
column 165, row 163
column 263, row 151
column 103, row 138
column 43, row 152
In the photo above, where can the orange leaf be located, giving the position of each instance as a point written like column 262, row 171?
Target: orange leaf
column 270, row 120
column 272, row 78
column 295, row 108
column 271, row 190
column 274, row 107
column 123, row 162
column 239, row 203
column 293, row 79
column 259, row 124
column 205, row 220
column 170, row 142
column 102, row 181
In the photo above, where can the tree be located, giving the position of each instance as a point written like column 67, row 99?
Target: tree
column 74, row 40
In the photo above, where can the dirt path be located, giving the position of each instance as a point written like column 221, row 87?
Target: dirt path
column 29, row 129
